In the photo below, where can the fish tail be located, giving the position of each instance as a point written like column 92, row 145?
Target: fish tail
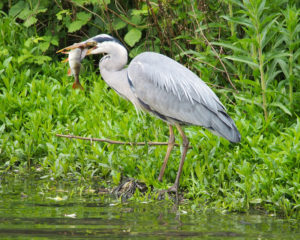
column 77, row 85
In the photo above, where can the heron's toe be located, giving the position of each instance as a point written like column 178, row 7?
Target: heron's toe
column 173, row 189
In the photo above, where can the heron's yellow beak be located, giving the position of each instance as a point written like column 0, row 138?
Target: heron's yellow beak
column 83, row 45
column 89, row 51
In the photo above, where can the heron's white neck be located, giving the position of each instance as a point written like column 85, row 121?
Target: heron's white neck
column 115, row 59
column 112, row 69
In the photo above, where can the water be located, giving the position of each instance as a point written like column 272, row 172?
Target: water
column 31, row 208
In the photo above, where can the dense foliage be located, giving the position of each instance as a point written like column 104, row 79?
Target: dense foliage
column 247, row 51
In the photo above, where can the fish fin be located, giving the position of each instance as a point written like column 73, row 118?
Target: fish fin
column 83, row 53
column 65, row 60
column 69, row 72
column 77, row 85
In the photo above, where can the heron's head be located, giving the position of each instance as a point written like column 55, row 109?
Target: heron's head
column 102, row 43
column 105, row 44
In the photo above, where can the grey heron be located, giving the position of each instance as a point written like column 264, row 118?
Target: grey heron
column 168, row 90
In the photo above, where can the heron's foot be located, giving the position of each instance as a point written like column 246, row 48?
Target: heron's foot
column 173, row 189
column 162, row 195
column 127, row 188
column 172, row 193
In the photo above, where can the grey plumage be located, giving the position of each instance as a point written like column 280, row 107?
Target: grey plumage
column 165, row 88
column 175, row 92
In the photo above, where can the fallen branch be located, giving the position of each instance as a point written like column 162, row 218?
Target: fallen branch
column 114, row 142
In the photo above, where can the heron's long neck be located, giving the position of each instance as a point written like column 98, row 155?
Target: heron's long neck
column 115, row 60
column 113, row 72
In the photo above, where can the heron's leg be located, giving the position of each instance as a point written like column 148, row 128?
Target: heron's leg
column 185, row 145
column 170, row 147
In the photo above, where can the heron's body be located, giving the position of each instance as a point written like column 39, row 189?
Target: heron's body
column 168, row 90
column 165, row 88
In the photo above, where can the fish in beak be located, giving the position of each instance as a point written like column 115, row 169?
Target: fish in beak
column 75, row 57
column 76, row 53
column 86, row 44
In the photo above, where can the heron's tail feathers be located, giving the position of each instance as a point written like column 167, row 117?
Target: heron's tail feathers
column 225, row 127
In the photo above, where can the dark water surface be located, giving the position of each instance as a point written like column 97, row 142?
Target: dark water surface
column 31, row 208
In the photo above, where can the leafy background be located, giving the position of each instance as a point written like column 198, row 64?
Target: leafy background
column 247, row 51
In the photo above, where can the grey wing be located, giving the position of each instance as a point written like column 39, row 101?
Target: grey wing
column 175, row 94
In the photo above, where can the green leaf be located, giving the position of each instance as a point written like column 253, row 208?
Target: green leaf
column 133, row 36
column 2, row 128
column 210, row 25
column 75, row 26
column 41, row 10
column 54, row 41
column 17, row 8
column 42, row 59
column 282, row 107
column 60, row 14
column 22, row 58
column 231, row 46
column 30, row 21
column 136, row 19
column 266, row 29
column 103, row 1
column 44, row 46
column 275, row 55
column 83, row 16
column 7, row 61
column 82, row 19
column 250, row 101
column 239, row 20
column 25, row 13
column 256, row 201
column 284, row 67
column 250, row 82
column 297, row 54
column 139, row 12
column 118, row 24
column 261, row 7
column 237, row 2
column 243, row 59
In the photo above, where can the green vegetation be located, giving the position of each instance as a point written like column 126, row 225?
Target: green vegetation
column 252, row 46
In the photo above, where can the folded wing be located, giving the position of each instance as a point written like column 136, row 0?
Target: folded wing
column 174, row 93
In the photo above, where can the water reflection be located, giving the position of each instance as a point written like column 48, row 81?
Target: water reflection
column 34, row 208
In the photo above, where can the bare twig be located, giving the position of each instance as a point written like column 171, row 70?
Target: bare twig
column 217, row 55
column 214, row 50
column 114, row 142
column 214, row 85
column 156, row 24
column 122, row 18
column 61, row 8
column 86, row 9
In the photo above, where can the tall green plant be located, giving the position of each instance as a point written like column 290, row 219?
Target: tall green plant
column 256, row 46
column 290, row 30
